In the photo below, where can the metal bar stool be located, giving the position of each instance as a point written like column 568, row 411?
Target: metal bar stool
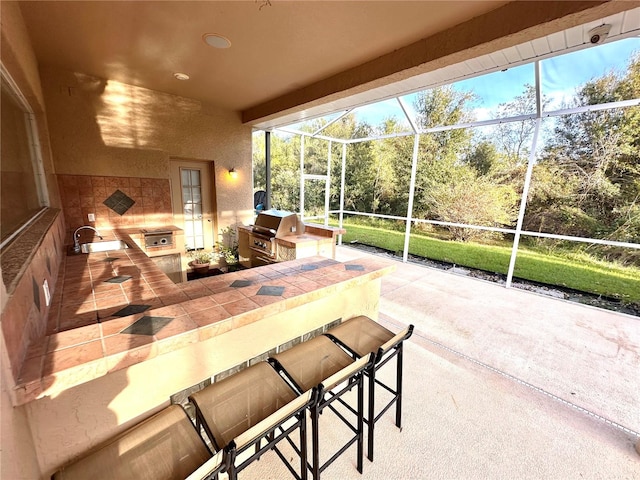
column 253, row 406
column 164, row 446
column 322, row 364
column 361, row 336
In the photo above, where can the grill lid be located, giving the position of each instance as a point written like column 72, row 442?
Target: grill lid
column 276, row 223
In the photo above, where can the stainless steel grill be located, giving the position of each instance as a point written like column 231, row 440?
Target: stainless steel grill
column 271, row 225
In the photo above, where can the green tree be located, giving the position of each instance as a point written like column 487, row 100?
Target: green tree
column 598, row 155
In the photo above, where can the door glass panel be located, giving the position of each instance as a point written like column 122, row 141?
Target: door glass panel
column 192, row 208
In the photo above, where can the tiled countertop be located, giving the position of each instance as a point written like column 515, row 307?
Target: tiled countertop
column 102, row 296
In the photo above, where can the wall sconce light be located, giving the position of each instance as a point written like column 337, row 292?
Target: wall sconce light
column 233, row 173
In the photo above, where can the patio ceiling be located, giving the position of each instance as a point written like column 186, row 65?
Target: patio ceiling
column 294, row 58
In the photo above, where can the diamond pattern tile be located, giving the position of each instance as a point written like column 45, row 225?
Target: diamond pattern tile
column 240, row 283
column 131, row 309
column 119, row 202
column 269, row 290
column 119, row 279
column 353, row 267
column 147, row 325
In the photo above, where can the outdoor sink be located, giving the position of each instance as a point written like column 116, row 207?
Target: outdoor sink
column 93, row 247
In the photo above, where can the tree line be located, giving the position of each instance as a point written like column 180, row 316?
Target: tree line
column 585, row 180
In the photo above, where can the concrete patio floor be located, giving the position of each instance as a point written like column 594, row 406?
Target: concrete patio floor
column 499, row 383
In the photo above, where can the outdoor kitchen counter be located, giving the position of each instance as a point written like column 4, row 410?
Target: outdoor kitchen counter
column 193, row 312
column 316, row 240
column 89, row 384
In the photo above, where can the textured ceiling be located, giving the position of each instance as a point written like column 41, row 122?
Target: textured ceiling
column 274, row 49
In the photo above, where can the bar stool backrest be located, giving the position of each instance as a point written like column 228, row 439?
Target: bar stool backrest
column 277, row 418
column 346, row 373
column 361, row 335
column 393, row 342
column 163, row 447
column 211, row 468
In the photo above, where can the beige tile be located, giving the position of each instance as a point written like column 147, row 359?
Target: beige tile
column 199, row 304
column 72, row 357
column 116, row 325
column 173, row 299
column 209, row 316
column 241, row 306
column 168, row 311
column 127, row 358
column 233, row 295
column 31, row 370
column 214, row 329
column 77, row 321
column 263, row 300
column 73, row 337
column 177, row 326
column 123, row 342
column 175, row 342
column 308, row 286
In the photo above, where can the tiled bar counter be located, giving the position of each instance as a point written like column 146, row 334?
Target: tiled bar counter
column 147, row 338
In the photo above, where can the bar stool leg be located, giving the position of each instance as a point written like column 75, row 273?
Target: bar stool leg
column 303, row 446
column 399, row 388
column 315, row 467
column 371, row 414
column 231, row 465
column 360, row 420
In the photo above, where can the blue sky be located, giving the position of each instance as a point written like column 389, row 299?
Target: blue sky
column 561, row 75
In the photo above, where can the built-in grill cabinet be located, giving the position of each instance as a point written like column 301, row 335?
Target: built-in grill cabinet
column 269, row 226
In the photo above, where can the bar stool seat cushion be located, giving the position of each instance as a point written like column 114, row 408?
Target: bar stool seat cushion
column 237, row 403
column 313, row 361
column 361, row 335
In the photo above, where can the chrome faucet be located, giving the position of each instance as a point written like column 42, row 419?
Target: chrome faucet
column 76, row 237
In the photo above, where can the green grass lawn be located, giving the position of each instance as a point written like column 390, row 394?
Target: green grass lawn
column 585, row 274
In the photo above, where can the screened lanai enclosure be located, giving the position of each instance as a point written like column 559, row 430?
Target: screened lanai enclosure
column 530, row 172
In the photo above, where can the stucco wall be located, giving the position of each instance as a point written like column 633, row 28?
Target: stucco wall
column 107, row 128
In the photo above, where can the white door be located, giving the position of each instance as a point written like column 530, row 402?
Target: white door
column 193, row 205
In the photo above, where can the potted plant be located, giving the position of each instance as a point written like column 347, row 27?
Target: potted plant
column 227, row 247
column 201, row 260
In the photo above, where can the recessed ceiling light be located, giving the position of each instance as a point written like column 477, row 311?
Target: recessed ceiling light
column 216, row 41
column 181, row 76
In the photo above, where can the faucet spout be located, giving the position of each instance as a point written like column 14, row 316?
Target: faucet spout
column 76, row 237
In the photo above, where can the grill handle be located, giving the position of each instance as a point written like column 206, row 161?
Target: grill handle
column 264, row 230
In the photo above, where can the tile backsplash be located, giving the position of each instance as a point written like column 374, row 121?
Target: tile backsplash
column 85, row 194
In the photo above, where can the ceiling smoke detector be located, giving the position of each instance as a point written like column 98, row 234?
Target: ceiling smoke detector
column 598, row 34
column 181, row 76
